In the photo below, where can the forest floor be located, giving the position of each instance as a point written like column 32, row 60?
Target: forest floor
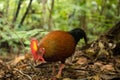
column 77, row 67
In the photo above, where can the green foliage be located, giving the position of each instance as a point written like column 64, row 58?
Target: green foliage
column 17, row 40
column 99, row 16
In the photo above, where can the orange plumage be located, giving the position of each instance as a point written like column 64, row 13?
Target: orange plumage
column 57, row 45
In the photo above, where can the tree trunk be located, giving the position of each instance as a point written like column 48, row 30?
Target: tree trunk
column 82, row 18
column 17, row 11
column 114, row 32
column 107, row 44
column 50, row 15
column 118, row 8
column 24, row 16
column 44, row 15
column 7, row 8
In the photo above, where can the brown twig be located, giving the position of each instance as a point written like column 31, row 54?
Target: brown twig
column 23, row 73
column 25, row 14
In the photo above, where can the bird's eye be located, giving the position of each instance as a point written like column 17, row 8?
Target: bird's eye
column 42, row 51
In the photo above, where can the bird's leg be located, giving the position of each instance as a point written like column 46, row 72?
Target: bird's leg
column 60, row 70
column 53, row 69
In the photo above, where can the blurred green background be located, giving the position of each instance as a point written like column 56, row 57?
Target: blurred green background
column 20, row 20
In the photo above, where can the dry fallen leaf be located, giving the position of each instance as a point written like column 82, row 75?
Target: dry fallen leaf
column 99, row 64
column 97, row 77
column 28, row 56
column 82, row 60
column 90, row 52
column 1, row 61
column 101, row 45
column 108, row 67
column 67, row 79
column 18, row 59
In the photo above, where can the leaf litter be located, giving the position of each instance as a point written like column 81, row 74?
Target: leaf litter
column 83, row 65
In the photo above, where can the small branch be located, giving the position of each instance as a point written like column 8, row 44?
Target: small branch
column 23, row 73
column 21, row 41
column 18, row 9
column 118, row 8
column 24, row 16
column 50, row 14
column 115, row 30
column 44, row 15
column 7, row 8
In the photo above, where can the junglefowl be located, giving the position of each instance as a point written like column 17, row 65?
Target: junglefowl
column 57, row 46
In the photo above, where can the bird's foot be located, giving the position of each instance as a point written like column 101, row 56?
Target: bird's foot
column 60, row 71
column 58, row 76
column 54, row 78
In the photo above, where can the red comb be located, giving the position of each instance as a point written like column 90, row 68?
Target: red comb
column 34, row 47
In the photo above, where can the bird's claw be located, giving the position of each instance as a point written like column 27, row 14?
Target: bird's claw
column 58, row 76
